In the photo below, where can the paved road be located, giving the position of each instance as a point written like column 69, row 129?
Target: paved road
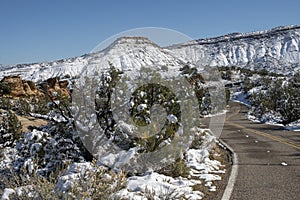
column 263, row 152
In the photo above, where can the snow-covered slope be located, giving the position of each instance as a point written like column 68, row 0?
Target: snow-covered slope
column 126, row 53
column 131, row 53
column 276, row 50
column 42, row 71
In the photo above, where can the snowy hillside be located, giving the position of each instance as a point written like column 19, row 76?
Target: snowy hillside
column 42, row 71
column 131, row 53
column 126, row 53
column 276, row 50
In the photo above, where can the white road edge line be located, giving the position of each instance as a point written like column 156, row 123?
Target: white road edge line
column 233, row 174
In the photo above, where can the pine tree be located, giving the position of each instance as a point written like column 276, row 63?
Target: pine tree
column 10, row 129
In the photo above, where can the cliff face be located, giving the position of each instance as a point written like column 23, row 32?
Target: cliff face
column 276, row 50
column 19, row 87
column 24, row 88
column 54, row 86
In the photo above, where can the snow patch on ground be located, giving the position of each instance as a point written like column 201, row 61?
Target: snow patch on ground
column 7, row 156
column 6, row 193
column 203, row 167
column 203, row 170
column 118, row 159
column 217, row 114
column 161, row 186
column 240, row 97
column 294, row 126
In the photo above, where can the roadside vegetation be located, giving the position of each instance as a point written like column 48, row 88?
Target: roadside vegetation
column 281, row 95
column 38, row 164
column 270, row 95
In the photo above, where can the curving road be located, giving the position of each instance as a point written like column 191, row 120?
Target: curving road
column 268, row 158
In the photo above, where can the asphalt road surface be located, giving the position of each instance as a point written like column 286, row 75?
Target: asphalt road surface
column 268, row 158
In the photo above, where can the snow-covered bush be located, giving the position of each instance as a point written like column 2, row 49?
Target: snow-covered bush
column 10, row 129
column 90, row 181
column 142, row 101
column 145, row 98
column 103, row 99
column 280, row 96
column 209, row 101
column 84, row 180
column 44, row 150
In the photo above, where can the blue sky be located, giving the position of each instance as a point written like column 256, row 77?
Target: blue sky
column 40, row 30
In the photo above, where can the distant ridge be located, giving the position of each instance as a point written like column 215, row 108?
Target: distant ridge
column 276, row 50
column 238, row 36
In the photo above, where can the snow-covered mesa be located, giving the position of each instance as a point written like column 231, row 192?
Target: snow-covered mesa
column 276, row 50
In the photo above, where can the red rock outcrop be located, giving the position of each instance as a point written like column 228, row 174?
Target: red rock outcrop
column 24, row 88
